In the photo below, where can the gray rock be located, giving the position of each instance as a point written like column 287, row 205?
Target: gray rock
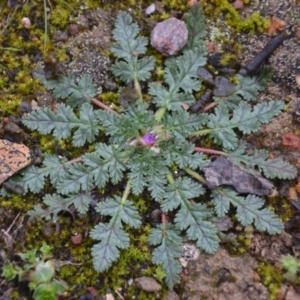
column 169, row 36
column 147, row 284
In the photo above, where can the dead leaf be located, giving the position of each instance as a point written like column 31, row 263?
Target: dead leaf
column 223, row 172
column 13, row 157
column 276, row 25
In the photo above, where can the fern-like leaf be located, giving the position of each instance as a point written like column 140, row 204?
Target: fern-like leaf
column 127, row 47
column 55, row 204
column 63, row 121
column 33, row 178
column 66, row 88
column 272, row 168
column 249, row 210
column 112, row 238
column 180, row 74
column 244, row 118
column 195, row 23
column 125, row 209
column 183, row 156
column 248, row 88
column 111, row 235
column 167, row 253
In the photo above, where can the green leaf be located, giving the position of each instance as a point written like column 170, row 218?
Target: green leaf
column 78, row 178
column 112, row 238
column 148, row 169
column 244, row 118
column 44, row 272
column 168, row 252
column 125, row 34
column 183, row 156
column 179, row 192
column 180, row 74
column 114, row 161
column 191, row 217
column 65, row 87
column 9, row 272
column 249, row 210
column 272, row 168
column 33, row 179
column 55, row 204
column 127, row 47
column 44, row 291
column 195, row 23
column 181, row 124
column 63, row 121
column 250, row 87
column 81, row 201
column 125, row 210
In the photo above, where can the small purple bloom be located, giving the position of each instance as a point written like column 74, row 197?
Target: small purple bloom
column 149, row 138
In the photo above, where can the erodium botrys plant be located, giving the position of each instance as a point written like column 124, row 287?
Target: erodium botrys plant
column 139, row 147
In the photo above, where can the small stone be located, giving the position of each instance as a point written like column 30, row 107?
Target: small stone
column 150, row 9
column 77, row 239
column 147, row 284
column 290, row 141
column 238, row 4
column 205, row 75
column 26, row 22
column 73, row 29
column 169, row 37
column 223, row 87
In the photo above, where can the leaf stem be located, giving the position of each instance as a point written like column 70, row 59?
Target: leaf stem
column 196, row 175
column 201, row 132
column 137, row 86
column 170, row 178
column 210, row 151
column 159, row 114
column 126, row 192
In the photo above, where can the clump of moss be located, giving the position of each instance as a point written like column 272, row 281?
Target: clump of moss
column 254, row 23
column 271, row 277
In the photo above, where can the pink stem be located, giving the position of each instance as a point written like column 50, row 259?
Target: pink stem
column 102, row 105
column 209, row 151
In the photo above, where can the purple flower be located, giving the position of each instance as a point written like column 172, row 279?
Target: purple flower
column 149, row 139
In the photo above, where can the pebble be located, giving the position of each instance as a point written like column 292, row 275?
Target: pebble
column 150, row 9
column 169, row 37
column 147, row 284
column 77, row 239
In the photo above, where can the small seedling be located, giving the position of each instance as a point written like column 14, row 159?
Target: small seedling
column 39, row 270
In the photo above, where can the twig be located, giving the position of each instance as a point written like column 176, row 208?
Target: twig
column 259, row 59
column 102, row 105
column 6, row 232
column 119, row 295
column 209, row 151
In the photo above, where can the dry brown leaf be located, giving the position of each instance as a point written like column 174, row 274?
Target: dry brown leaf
column 276, row 25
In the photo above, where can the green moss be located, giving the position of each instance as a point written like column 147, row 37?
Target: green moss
column 271, row 277
column 254, row 23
